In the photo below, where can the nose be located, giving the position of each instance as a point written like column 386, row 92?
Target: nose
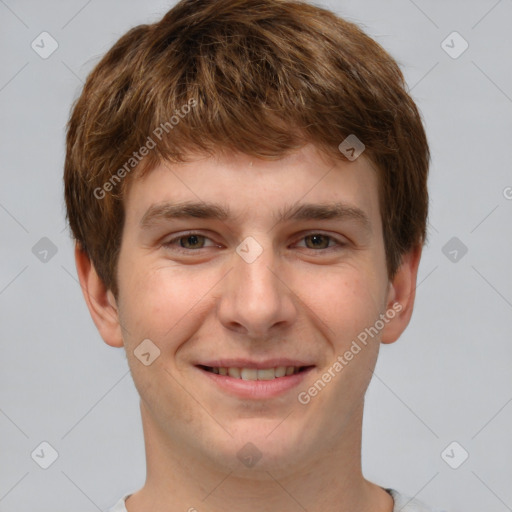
column 256, row 299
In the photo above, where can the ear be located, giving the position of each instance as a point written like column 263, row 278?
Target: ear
column 401, row 295
column 100, row 301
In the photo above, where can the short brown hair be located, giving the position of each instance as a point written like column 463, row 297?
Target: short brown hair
column 265, row 77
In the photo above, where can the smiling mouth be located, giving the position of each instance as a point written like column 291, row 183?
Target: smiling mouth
column 256, row 373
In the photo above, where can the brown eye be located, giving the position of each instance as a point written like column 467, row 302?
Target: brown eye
column 192, row 241
column 317, row 241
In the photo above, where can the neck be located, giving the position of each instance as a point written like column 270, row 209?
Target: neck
column 330, row 480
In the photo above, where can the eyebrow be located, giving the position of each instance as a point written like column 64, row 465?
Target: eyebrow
column 204, row 210
column 168, row 211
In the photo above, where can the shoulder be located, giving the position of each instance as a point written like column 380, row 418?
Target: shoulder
column 120, row 505
column 405, row 503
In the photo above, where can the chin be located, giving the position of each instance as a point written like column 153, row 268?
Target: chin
column 259, row 446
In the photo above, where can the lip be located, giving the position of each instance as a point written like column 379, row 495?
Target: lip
column 256, row 389
column 251, row 363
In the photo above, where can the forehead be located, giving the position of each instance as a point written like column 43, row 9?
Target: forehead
column 237, row 186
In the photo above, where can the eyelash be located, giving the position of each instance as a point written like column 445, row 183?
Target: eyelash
column 171, row 243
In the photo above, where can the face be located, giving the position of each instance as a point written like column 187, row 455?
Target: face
column 252, row 278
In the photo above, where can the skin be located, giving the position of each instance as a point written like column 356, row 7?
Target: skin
column 298, row 299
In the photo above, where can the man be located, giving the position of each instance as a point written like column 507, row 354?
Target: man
column 246, row 184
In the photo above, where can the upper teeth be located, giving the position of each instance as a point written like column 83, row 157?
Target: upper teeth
column 255, row 373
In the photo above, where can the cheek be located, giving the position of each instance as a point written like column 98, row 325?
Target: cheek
column 165, row 304
column 346, row 300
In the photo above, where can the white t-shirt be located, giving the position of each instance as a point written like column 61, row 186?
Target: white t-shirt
column 402, row 503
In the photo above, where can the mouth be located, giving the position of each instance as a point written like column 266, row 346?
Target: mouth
column 255, row 373
column 255, row 381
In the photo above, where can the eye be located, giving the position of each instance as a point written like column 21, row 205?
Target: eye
column 321, row 241
column 189, row 241
column 192, row 241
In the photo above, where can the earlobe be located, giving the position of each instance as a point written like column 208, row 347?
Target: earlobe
column 100, row 301
column 401, row 295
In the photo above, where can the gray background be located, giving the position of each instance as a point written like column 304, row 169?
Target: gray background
column 447, row 379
